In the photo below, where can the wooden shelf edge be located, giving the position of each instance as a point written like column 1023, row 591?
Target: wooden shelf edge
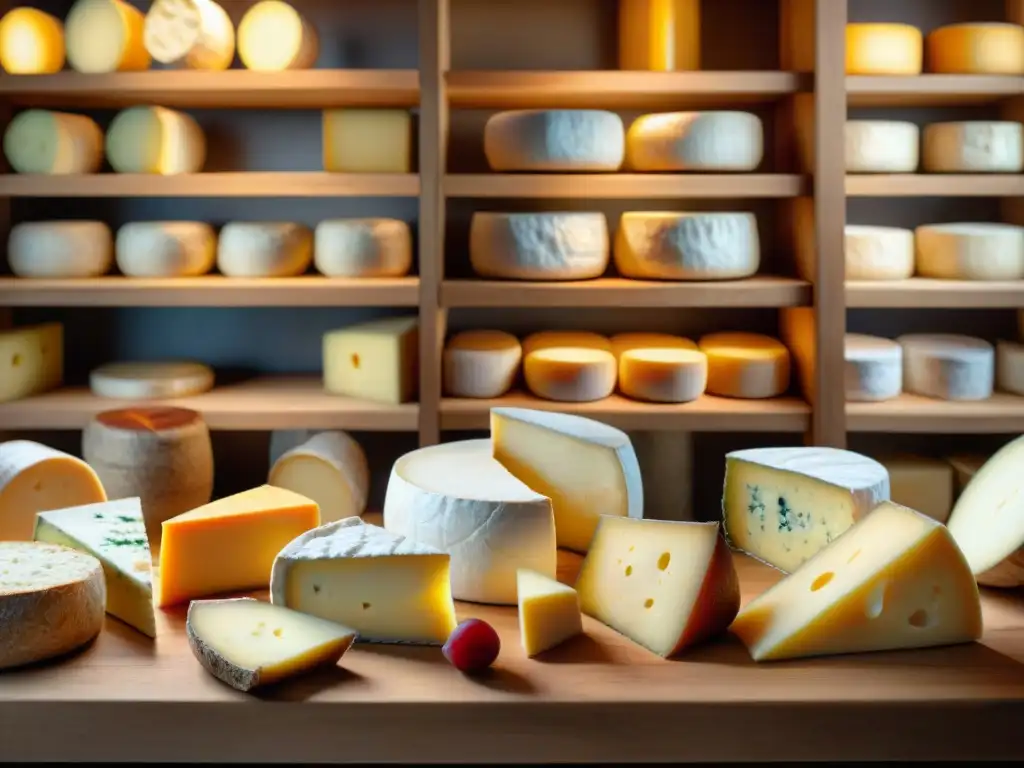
column 924, row 293
column 935, row 185
column 930, row 90
column 1001, row 414
column 625, row 185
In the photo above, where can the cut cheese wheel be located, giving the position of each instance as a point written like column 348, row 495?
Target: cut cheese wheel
column 659, row 35
column 150, row 380
column 1010, row 367
column 166, row 248
column 55, row 143
column 947, row 366
column 663, row 375
column 367, row 140
column 878, row 253
column 35, row 478
column 31, row 42
column 362, row 248
column 60, row 249
column 975, row 146
column 331, row 469
column 884, row 49
column 457, row 498
column 481, row 363
column 31, row 360
column 155, row 140
column 873, row 368
column 197, row 34
column 977, row 49
column 52, row 599
column 928, row 483
column 570, row 374
column 105, row 36
column 687, row 246
column 695, row 141
column 623, row 342
column 539, row 246
column 264, row 249
column 555, row 140
column 549, row 339
column 980, row 251
column 273, row 36
column 882, row 146
column 745, row 365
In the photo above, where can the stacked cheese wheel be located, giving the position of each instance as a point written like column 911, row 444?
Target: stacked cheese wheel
column 988, row 48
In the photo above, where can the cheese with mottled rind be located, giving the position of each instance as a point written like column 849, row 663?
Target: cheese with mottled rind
column 695, row 141
column 947, row 366
column 555, row 140
column 878, row 253
column 539, row 246
column 53, row 143
column 873, row 368
column 264, row 249
column 882, row 146
column 362, row 248
column 60, row 249
column 165, row 248
column 480, row 364
column 970, row 251
column 331, row 469
column 884, row 49
column 974, row 146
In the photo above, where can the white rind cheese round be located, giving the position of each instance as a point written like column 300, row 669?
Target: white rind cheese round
column 970, row 251
column 974, row 146
column 331, row 469
column 991, row 48
column 150, row 380
column 31, row 42
column 457, row 498
column 52, row 601
column 539, row 246
column 1010, row 367
column 884, row 49
column 362, row 248
column 878, row 253
column 665, row 375
column 273, row 37
column 687, row 246
column 166, row 248
column 882, row 146
column 695, row 141
column 947, row 366
column 195, row 34
column 264, row 249
column 570, row 374
column 155, row 140
column 873, row 368
column 60, row 249
column 555, row 140
column 54, row 143
column 105, row 36
column 481, row 364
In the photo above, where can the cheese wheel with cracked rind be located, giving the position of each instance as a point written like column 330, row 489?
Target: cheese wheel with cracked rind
column 105, row 36
column 990, row 48
column 150, row 380
column 974, row 146
column 362, row 248
column 970, row 251
column 666, row 375
column 555, row 140
column 53, row 143
column 31, row 42
column 873, row 368
column 878, row 253
column 166, row 248
column 947, row 366
column 331, row 469
column 539, row 246
column 60, row 249
column 264, row 249
column 481, row 364
column 570, row 374
column 884, row 49
column 695, row 141
column 745, row 365
column 882, row 146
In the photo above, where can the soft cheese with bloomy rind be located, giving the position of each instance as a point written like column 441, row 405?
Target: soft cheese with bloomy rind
column 695, row 141
column 196, row 34
column 947, row 366
column 882, row 146
column 974, row 146
column 549, row 611
column 31, row 360
column 54, row 143
column 105, row 36
column 783, row 505
column 481, row 364
column 362, row 248
column 31, row 42
column 155, row 140
column 376, row 360
column 873, row 368
column 166, row 248
column 457, row 498
column 884, row 49
column 990, row 48
column 331, row 469
column 60, row 249
column 555, row 140
column 878, row 253
column 388, row 588
column 273, row 36
column 264, row 249
column 895, row 580
column 970, row 251
column 539, row 246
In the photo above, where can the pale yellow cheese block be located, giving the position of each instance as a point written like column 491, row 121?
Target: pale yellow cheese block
column 376, row 360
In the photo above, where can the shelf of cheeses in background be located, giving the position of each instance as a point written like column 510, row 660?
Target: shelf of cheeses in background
column 31, row 42
column 659, row 35
column 947, row 366
column 884, row 49
column 480, row 364
column 155, row 140
column 53, row 143
column 555, row 140
column 377, row 360
column 273, row 37
column 31, row 360
column 878, row 253
column 60, row 249
column 159, row 249
column 746, row 365
column 973, row 146
column 190, row 34
column 367, row 140
column 539, row 246
column 969, row 251
column 722, row 141
column 570, row 366
column 659, row 367
column 331, row 469
column 873, row 368
column 882, row 146
column 264, row 249
column 105, row 36
column 362, row 248
column 989, row 48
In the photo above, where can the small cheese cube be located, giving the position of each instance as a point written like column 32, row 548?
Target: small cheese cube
column 549, row 612
column 367, row 141
column 377, row 360
column 31, row 360
column 31, row 42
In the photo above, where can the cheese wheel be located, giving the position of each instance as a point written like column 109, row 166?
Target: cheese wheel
column 166, row 248
column 555, row 140
column 947, row 366
column 665, row 375
column 570, row 374
column 873, row 368
column 977, row 49
column 55, row 143
column 195, row 34
column 1010, row 367
column 150, row 380
column 331, row 469
column 60, row 249
column 283, row 440
column 273, row 37
column 155, row 140
column 884, row 49
column 974, row 146
column 745, row 365
column 362, row 248
column 623, row 342
column 882, row 146
column 878, row 253
column 687, row 246
column 976, row 251
column 539, row 246
column 659, row 35
column 481, row 364
column 31, row 42
column 549, row 339
column 105, row 36
column 695, row 141
column 264, row 249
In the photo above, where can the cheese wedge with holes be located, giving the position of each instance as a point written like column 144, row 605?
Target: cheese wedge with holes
column 105, row 36
column 331, row 469
column 31, row 42
column 31, row 360
column 549, row 612
column 376, row 360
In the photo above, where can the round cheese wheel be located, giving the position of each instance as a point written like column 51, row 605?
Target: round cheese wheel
column 60, row 249
column 150, row 380
column 273, row 36
column 549, row 339
column 695, row 141
column 1010, row 367
column 554, row 140
column 197, row 34
column 570, row 374
column 947, row 366
column 745, row 365
column 991, row 48
column 166, row 248
column 331, row 469
column 105, row 36
column 623, row 342
column 155, row 140
column 362, row 248
column 884, row 49
column 539, row 246
column 882, row 146
column 283, row 440
column 665, row 375
column 56, row 143
column 878, row 253
column 480, row 364
column 873, row 368
column 31, row 42
column 970, row 251
column 264, row 249
column 974, row 146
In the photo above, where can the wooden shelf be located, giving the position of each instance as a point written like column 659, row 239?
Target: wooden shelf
column 1001, row 414
column 709, row 414
column 921, row 292
column 258, row 404
column 760, row 291
column 930, row 90
column 623, row 186
column 935, row 185
column 210, row 291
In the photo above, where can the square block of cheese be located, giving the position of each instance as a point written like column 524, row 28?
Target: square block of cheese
column 31, row 360
column 367, row 141
column 549, row 612
column 377, row 360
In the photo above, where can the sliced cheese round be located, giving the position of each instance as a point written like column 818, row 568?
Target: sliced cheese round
column 155, row 140
column 873, row 368
column 150, row 380
column 195, row 34
column 457, row 498
column 687, row 246
column 745, row 365
column 549, row 339
column 41, row 141
column 978, row 251
column 555, row 140
column 31, row 42
column 878, row 253
column 570, row 374
column 623, row 342
column 882, row 146
column 264, row 249
column 166, row 248
column 331, row 469
column 947, row 366
column 665, row 375
column 60, row 249
column 539, row 246
column 105, row 36
column 695, row 141
column 884, row 49
column 273, row 37
column 362, row 248
column 974, row 146
column 481, row 364
column 1010, row 367
column 991, row 48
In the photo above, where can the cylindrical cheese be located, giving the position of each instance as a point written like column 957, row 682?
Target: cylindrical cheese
column 331, row 469
column 264, row 249
column 570, row 374
column 105, row 36
column 31, row 42
column 974, row 146
column 41, row 141
column 150, row 380
column 155, row 140
column 659, row 35
column 166, row 248
column 197, row 34
column 362, row 248
column 60, row 249
column 878, row 253
column 549, row 339
column 555, row 140
column 977, row 49
column 873, row 368
column 882, row 146
column 481, row 364
column 1010, row 367
column 947, row 366
column 283, row 440
column 884, row 49
column 974, row 251
column 539, row 246
column 664, row 375
column 623, row 342
column 745, row 365
column 695, row 141
column 273, row 36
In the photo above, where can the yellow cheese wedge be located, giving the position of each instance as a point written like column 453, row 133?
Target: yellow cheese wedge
column 746, row 365
column 977, row 49
column 884, row 49
column 549, row 612
column 31, row 42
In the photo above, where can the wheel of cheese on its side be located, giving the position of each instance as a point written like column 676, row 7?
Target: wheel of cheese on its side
column 331, row 469
column 882, row 146
column 695, row 141
column 54, row 143
column 264, row 249
column 273, row 36
column 665, row 375
column 974, row 146
column 623, row 342
column 539, row 246
column 31, row 42
column 60, row 249
column 990, row 48
column 884, row 49
column 1010, row 367
column 970, row 251
column 105, row 36
column 166, row 248
column 549, row 339
column 362, row 248
column 947, row 366
column 195, row 34
column 555, row 140
column 570, row 374
column 481, row 364
column 873, row 368
column 745, row 365
column 878, row 253
column 150, row 381
column 155, row 140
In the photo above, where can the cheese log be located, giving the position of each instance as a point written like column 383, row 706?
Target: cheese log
column 884, row 49
column 659, row 35
column 155, row 140
column 162, row 456
column 873, row 368
column 665, row 585
column 745, row 365
column 273, row 36
column 687, row 246
column 554, row 140
column 283, row 440
column 105, row 36
column 882, row 146
column 367, row 141
column 570, row 374
column 974, row 146
column 550, row 339
column 928, row 483
column 388, row 588
column 331, row 469
column 113, row 532
column 977, row 49
column 53, row 143
column 695, row 141
column 624, row 342
column 783, row 505
column 979, row 251
column 480, row 364
column 51, row 601
column 947, row 366
column 878, row 253
column 264, row 249
column 229, row 545
column 549, row 612
column 539, row 246
column 31, row 360
column 248, row 643
column 362, row 248
column 456, row 498
column 376, row 360
column 60, row 249
column 1010, row 367
column 585, row 467
column 194, row 34
column 31, row 42
column 663, row 375
column 150, row 380
column 165, row 248
column 965, row 467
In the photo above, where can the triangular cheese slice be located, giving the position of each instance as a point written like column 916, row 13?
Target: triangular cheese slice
column 549, row 612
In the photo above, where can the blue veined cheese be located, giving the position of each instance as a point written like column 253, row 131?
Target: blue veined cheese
column 783, row 505
column 555, row 140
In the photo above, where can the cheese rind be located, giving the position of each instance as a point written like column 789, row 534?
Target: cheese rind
column 155, row 140
column 659, row 35
column 878, row 253
column 624, row 342
column 947, row 366
column 105, row 36
column 150, row 380
column 539, row 246
column 928, row 483
column 570, row 374
column 550, row 339
column 264, row 249
column 362, row 248
column 273, row 37
column 367, row 141
column 977, row 49
column 197, row 34
column 166, row 248
column 873, row 368
column 31, row 360
column 974, row 146
column 60, row 249
column 53, row 143
column 549, row 612
column 745, row 365
column 376, row 360
column 695, row 141
column 882, row 146
column 663, row 375
column 331, row 469
column 1010, row 367
column 480, row 364
column 31, row 42
column 978, row 251
column 555, row 140
column 884, row 49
